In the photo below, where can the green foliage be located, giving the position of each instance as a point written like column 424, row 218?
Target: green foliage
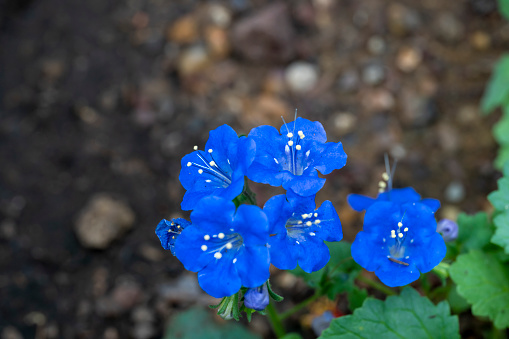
column 500, row 198
column 474, row 231
column 292, row 336
column 501, row 236
column 197, row 323
column 457, row 302
column 503, row 7
column 484, row 282
column 337, row 276
column 501, row 130
column 405, row 316
column 497, row 92
column 356, row 297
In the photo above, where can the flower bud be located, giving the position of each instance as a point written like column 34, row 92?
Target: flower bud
column 448, row 229
column 257, row 298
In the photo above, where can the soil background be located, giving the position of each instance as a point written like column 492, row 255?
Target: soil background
column 99, row 101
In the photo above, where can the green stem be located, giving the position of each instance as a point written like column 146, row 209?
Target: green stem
column 275, row 320
column 376, row 285
column 300, row 306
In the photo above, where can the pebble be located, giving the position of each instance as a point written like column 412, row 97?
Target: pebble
column 448, row 28
column 183, row 31
column 265, row 36
column 11, row 332
column 408, row 59
column 455, row 192
column 480, row 41
column 417, row 110
column 373, row 74
column 103, row 220
column 402, row 20
column 219, row 15
column 301, row 76
column 124, row 297
column 483, row 7
column 344, row 122
column 193, row 60
column 348, row 81
column 217, row 42
column 377, row 100
column 376, row 45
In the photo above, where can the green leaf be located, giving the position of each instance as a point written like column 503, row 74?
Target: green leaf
column 292, row 336
column 503, row 7
column 405, row 316
column 497, row 91
column 356, row 298
column 500, row 198
column 474, row 231
column 484, row 282
column 502, row 157
column 337, row 276
column 184, row 326
column 501, row 130
column 457, row 302
column 501, row 236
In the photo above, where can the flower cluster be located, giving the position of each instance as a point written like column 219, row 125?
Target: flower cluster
column 231, row 245
column 399, row 239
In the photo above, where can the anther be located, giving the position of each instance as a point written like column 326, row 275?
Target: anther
column 195, row 148
column 316, row 214
column 381, row 190
column 301, row 134
column 220, row 235
column 406, row 229
column 234, row 260
column 299, row 222
column 317, row 221
column 385, row 176
column 290, row 143
column 298, row 147
column 200, row 171
column 217, row 255
column 400, row 224
column 229, row 245
column 212, row 163
column 312, row 234
column 204, row 248
column 210, row 150
column 382, row 184
column 309, row 223
column 189, row 164
column 304, row 216
column 290, row 135
column 400, row 235
column 206, row 237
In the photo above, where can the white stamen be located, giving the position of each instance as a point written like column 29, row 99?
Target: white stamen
column 234, row 260
column 298, row 243
column 316, row 214
column 298, row 147
column 200, row 171
column 385, row 176
column 400, row 235
column 393, row 235
column 208, row 180
column 206, row 237
column 287, row 149
column 210, row 150
column 317, row 221
column 212, row 163
column 304, row 216
column 312, row 234
column 400, row 224
column 220, row 235
column 307, row 153
column 204, row 248
column 229, row 245
column 290, row 143
column 290, row 135
column 406, row 229
column 189, row 164
column 217, row 255
column 309, row 223
column 277, row 162
column 301, row 134
column 195, row 148
column 382, row 184
column 299, row 222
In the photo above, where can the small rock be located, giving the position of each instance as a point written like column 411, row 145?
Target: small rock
column 455, row 192
column 483, row 7
column 265, row 36
column 448, row 137
column 143, row 331
column 301, row 76
column 480, row 40
column 143, row 314
column 183, row 31
column 448, row 28
column 373, row 74
column 10, row 332
column 377, row 100
column 217, row 41
column 417, row 110
column 376, row 45
column 408, row 59
column 193, row 60
column 348, row 81
column 219, row 15
column 53, row 69
column 123, row 298
column 402, row 20
column 102, row 221
column 185, row 290
column 344, row 122
column 111, row 333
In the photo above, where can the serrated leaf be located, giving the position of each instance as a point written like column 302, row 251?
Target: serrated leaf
column 501, row 236
column 502, row 157
column 338, row 275
column 503, row 7
column 405, row 316
column 484, row 282
column 184, row 326
column 474, row 231
column 497, row 91
column 500, row 198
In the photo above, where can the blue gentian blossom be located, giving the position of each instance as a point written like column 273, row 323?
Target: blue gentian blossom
column 298, row 231
column 292, row 156
column 257, row 298
column 398, row 241
column 397, row 195
column 448, row 229
column 227, row 248
column 168, row 231
column 219, row 170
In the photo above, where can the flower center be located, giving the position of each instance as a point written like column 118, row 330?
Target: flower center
column 220, row 175
column 295, row 159
column 222, row 244
column 397, row 250
column 298, row 226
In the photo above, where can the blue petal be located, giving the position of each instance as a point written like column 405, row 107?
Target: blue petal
column 188, row 249
column 328, row 157
column 382, row 217
column 360, row 202
column 220, row 278
column 282, row 252
column 367, row 250
column 313, row 255
column 168, row 231
column 253, row 265
column 301, row 204
column 252, row 224
column 213, row 214
column 304, row 185
column 311, row 129
column 429, row 254
column 330, row 225
column 264, row 174
column 242, row 154
column 433, row 204
column 393, row 274
column 219, row 141
column 278, row 210
column 421, row 219
column 400, row 195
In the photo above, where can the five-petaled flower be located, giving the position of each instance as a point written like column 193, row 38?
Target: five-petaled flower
column 168, row 231
column 219, row 170
column 291, row 157
column 397, row 195
column 398, row 241
column 298, row 231
column 227, row 248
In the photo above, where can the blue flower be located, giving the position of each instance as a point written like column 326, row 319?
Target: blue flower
column 168, row 231
column 448, row 229
column 290, row 159
column 398, row 241
column 298, row 231
column 257, row 298
column 397, row 195
column 219, row 170
column 228, row 249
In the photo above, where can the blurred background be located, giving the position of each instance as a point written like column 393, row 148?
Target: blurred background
column 99, row 101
